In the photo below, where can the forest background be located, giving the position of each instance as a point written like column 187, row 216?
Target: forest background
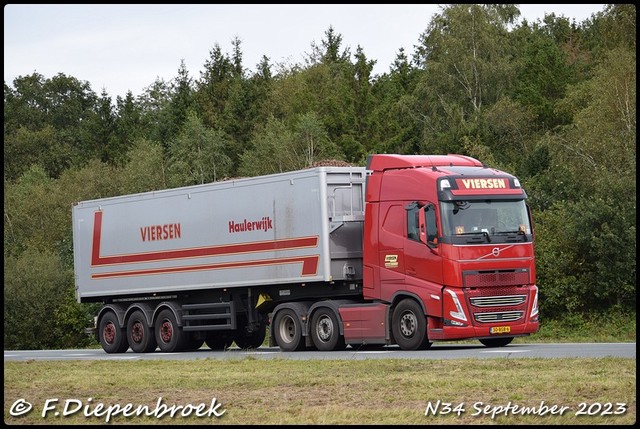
column 552, row 102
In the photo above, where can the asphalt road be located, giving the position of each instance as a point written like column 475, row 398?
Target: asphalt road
column 437, row 351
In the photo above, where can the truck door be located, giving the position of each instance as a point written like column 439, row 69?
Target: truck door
column 391, row 238
column 421, row 255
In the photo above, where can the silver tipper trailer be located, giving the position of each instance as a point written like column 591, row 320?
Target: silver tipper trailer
column 219, row 248
column 288, row 228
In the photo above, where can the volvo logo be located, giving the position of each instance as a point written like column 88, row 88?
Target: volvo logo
column 495, row 252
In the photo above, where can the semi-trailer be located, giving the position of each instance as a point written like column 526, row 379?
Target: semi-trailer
column 408, row 250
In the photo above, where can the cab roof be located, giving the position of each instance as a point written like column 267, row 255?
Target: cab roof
column 392, row 161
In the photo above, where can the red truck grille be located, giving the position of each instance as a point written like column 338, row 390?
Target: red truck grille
column 497, row 296
column 495, row 278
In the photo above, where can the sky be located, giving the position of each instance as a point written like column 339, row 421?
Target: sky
column 120, row 48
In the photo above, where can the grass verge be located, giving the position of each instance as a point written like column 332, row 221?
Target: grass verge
column 282, row 391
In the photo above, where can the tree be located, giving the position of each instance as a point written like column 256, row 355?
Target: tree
column 197, row 154
column 277, row 148
column 63, row 103
column 269, row 151
column 212, row 89
column 363, row 107
column 26, row 105
column 154, row 103
column 182, row 100
column 543, row 75
column 44, row 147
column 466, row 55
column 615, row 27
column 588, row 240
column 128, row 126
column 328, row 52
column 145, row 169
column 311, row 142
column 102, row 130
column 396, row 125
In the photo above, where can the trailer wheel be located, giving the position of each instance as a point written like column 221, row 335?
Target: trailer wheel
column 288, row 330
column 252, row 340
column 169, row 336
column 112, row 338
column 325, row 330
column 139, row 335
column 409, row 326
column 496, row 342
column 217, row 341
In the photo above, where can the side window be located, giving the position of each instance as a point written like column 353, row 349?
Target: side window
column 432, row 227
column 413, row 223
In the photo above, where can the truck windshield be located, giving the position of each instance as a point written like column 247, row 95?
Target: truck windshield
column 485, row 221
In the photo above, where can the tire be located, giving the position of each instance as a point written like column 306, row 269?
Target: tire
column 251, row 340
column 169, row 336
column 287, row 331
column 409, row 326
column 496, row 342
column 139, row 335
column 218, row 341
column 325, row 330
column 113, row 339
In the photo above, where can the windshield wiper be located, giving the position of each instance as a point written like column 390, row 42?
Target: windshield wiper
column 485, row 233
column 518, row 232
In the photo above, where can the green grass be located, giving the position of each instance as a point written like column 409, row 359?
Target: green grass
column 283, row 391
column 590, row 328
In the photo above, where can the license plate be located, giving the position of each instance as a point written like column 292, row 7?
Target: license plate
column 500, row 330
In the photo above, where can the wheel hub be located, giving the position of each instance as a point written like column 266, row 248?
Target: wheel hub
column 408, row 324
column 109, row 333
column 287, row 329
column 324, row 328
column 166, row 331
column 137, row 332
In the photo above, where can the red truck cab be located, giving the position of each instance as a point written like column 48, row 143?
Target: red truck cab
column 455, row 237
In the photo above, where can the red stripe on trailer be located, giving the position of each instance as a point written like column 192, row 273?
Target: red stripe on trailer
column 309, row 267
column 195, row 252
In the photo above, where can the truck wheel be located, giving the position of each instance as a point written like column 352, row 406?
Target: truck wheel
column 113, row 339
column 253, row 340
column 169, row 335
column 139, row 335
column 217, row 341
column 496, row 342
column 325, row 330
column 288, row 330
column 409, row 326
